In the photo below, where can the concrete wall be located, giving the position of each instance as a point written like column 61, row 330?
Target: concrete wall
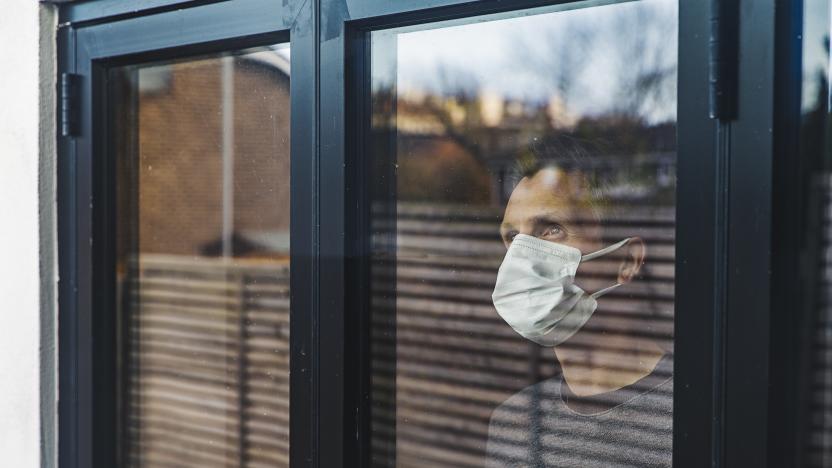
column 27, row 235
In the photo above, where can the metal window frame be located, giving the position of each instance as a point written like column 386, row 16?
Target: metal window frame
column 701, row 264
column 797, row 244
column 88, row 45
column 746, row 153
column 724, row 217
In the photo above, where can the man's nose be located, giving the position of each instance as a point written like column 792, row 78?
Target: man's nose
column 527, row 230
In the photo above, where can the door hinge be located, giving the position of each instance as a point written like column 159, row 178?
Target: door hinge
column 724, row 59
column 69, row 104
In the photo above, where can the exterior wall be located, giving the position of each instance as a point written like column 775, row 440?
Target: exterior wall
column 27, row 235
column 179, row 173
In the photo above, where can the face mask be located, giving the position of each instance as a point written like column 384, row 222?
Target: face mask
column 535, row 291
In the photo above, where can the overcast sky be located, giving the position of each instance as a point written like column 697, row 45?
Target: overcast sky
column 815, row 55
column 599, row 47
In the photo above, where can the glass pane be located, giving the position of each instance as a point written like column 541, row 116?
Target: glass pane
column 202, row 179
column 815, row 380
column 523, row 238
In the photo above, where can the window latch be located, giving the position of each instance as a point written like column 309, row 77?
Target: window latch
column 69, row 104
column 723, row 62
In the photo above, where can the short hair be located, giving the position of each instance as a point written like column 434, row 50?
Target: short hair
column 571, row 155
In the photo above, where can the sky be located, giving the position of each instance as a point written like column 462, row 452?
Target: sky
column 815, row 56
column 598, row 46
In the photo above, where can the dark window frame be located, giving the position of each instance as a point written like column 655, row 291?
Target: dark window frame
column 87, row 350
column 724, row 198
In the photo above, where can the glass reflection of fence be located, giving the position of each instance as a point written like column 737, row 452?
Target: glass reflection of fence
column 207, row 363
column 442, row 357
column 818, row 443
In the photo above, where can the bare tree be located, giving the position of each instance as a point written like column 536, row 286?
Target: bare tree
column 561, row 59
column 647, row 68
column 459, row 88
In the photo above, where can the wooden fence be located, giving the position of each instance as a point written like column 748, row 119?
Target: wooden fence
column 206, row 374
column 818, row 444
column 207, row 366
column 442, row 357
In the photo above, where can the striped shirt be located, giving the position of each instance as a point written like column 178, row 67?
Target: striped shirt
column 546, row 425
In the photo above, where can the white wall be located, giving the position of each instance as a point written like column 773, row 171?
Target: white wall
column 27, row 226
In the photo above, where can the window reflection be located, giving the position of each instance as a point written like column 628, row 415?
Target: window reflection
column 504, row 149
column 816, row 378
column 202, row 160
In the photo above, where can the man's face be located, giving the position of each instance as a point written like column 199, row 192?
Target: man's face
column 553, row 205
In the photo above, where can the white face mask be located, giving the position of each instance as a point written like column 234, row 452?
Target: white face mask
column 535, row 291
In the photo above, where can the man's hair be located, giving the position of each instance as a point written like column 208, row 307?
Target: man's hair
column 571, row 155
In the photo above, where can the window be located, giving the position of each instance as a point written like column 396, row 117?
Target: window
column 504, row 148
column 175, row 229
column 506, row 234
column 202, row 268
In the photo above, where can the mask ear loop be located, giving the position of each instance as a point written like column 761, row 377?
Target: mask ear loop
column 605, row 250
column 600, row 293
column 602, row 252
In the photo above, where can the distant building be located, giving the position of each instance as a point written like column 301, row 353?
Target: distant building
column 186, row 186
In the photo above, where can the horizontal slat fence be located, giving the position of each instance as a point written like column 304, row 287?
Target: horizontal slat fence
column 442, row 357
column 207, row 363
column 818, row 444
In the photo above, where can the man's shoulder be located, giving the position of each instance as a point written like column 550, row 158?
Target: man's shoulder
column 536, row 424
column 545, row 396
column 529, row 399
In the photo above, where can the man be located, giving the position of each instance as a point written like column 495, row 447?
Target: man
column 612, row 403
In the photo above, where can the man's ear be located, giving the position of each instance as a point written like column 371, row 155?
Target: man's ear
column 634, row 255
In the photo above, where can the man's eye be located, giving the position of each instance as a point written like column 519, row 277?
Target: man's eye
column 553, row 231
